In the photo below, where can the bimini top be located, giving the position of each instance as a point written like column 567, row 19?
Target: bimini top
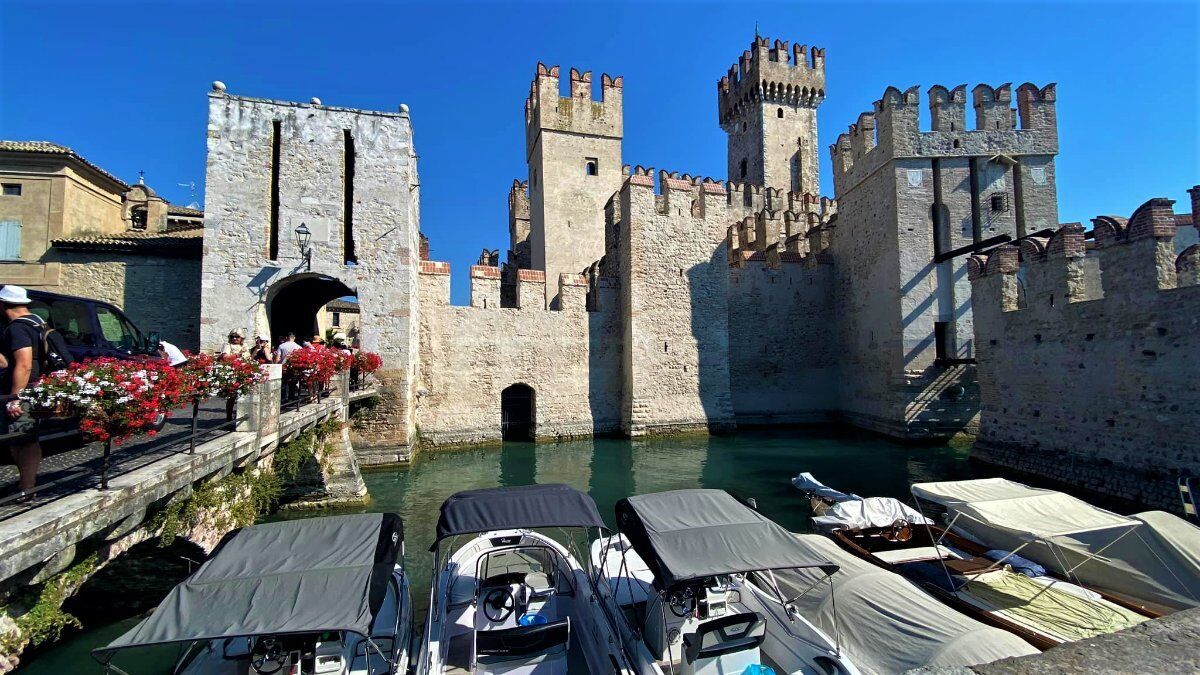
column 507, row 508
column 693, row 534
column 297, row 576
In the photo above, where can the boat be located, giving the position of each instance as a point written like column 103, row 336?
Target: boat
column 1150, row 559
column 320, row 596
column 994, row 587
column 694, row 572
column 507, row 597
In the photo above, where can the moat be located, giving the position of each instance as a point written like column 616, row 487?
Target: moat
column 757, row 465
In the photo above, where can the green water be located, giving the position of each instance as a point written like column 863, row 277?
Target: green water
column 758, row 465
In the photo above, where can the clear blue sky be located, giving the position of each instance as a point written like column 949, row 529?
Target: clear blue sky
column 124, row 84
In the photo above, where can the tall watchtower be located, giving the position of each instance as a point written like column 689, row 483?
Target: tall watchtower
column 767, row 104
column 573, row 148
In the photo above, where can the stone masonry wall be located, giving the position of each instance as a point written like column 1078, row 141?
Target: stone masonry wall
column 904, row 196
column 1092, row 386
column 570, row 357
column 674, row 290
column 239, row 279
column 159, row 294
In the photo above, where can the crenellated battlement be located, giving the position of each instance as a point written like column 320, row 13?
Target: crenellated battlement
column 546, row 109
column 577, row 292
column 771, row 73
column 1127, row 263
column 891, row 130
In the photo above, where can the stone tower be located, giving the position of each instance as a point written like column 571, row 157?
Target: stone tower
column 573, row 147
column 767, row 104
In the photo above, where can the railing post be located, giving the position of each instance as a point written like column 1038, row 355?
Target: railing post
column 195, row 416
column 104, row 466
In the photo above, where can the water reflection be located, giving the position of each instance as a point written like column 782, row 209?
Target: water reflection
column 757, row 465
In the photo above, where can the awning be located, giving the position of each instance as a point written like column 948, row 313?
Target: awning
column 507, row 508
column 297, row 576
column 693, row 534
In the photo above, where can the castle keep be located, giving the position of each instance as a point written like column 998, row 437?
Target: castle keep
column 637, row 301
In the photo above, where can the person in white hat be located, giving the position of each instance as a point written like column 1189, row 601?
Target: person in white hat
column 236, row 344
column 261, row 351
column 18, row 344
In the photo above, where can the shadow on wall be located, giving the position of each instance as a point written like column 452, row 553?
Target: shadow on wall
column 604, row 364
column 708, row 285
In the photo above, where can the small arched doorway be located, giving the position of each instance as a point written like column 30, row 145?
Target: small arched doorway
column 293, row 303
column 517, row 417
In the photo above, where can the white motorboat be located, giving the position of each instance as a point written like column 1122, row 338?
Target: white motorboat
column 251, row 608
column 694, row 572
column 513, row 599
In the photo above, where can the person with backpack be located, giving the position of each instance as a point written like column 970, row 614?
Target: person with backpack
column 21, row 354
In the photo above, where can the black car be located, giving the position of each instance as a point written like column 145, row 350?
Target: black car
column 93, row 328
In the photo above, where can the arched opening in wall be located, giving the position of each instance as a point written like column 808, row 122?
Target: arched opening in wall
column 517, row 413
column 138, row 218
column 295, row 303
column 134, row 582
column 590, row 166
column 779, row 113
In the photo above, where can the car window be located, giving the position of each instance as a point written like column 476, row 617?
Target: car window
column 116, row 330
column 69, row 318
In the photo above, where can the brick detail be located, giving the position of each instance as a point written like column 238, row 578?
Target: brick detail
column 484, row 272
column 531, row 275
column 565, row 279
column 434, row 267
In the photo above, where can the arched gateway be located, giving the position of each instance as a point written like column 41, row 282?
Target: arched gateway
column 518, row 418
column 307, row 203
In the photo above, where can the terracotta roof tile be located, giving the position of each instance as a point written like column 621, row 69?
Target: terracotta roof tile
column 48, row 148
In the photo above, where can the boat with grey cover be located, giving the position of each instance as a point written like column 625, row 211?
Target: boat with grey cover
column 507, row 597
column 695, row 572
column 319, row 596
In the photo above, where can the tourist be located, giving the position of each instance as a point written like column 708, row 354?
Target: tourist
column 236, row 344
column 261, row 351
column 339, row 343
column 285, row 348
column 318, row 340
column 19, row 344
column 173, row 355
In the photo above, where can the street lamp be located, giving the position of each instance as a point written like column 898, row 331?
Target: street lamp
column 303, row 236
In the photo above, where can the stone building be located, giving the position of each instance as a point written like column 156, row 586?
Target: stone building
column 69, row 226
column 1088, row 355
column 637, row 302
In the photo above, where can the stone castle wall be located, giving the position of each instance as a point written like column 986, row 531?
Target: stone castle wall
column 570, row 357
column 239, row 279
column 1088, row 384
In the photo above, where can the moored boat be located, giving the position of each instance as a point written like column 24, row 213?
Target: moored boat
column 994, row 587
column 509, row 598
column 320, row 596
column 695, row 574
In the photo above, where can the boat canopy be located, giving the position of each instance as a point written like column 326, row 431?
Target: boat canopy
column 886, row 623
column 692, row 534
column 297, row 576
column 858, row 514
column 1152, row 556
column 506, row 508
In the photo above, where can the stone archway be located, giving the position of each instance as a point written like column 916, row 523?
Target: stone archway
column 293, row 302
column 518, row 418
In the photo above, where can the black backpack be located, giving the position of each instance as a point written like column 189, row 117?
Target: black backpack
column 53, row 353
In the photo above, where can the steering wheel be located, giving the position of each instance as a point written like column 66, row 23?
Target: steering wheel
column 498, row 604
column 682, row 601
column 900, row 530
column 270, row 659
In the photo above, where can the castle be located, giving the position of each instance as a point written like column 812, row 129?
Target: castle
column 636, row 301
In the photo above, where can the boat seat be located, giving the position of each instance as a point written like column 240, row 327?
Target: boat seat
column 726, row 645
column 900, row 555
column 524, row 650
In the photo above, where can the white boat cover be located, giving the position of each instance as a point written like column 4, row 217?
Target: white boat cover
column 886, row 623
column 806, row 483
column 870, row 512
column 1152, row 556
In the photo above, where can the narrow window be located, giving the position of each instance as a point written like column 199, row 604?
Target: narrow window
column 1019, row 197
column 941, row 340
column 590, row 166
column 10, row 240
column 957, row 143
column 952, row 129
column 12, row 189
column 941, row 236
column 976, row 210
column 337, row 319
column 137, row 218
column 743, row 168
column 273, row 234
column 348, row 200
column 744, row 126
column 779, row 113
column 999, row 202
